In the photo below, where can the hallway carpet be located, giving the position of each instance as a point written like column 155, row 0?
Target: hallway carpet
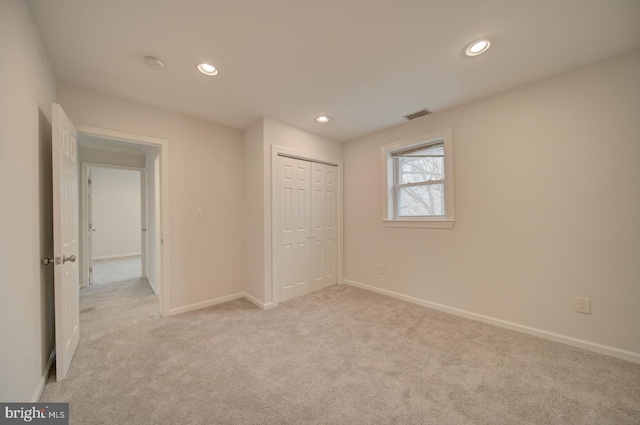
column 338, row 356
column 116, row 269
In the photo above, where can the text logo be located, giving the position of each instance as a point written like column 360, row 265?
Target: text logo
column 34, row 413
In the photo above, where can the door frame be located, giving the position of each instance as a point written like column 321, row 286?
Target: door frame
column 84, row 215
column 165, row 243
column 86, row 204
column 144, row 221
column 273, row 233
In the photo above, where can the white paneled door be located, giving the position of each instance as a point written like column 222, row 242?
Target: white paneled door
column 324, row 225
column 65, row 240
column 307, row 214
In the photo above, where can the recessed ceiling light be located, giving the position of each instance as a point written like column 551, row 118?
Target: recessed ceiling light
column 207, row 69
column 478, row 47
column 322, row 119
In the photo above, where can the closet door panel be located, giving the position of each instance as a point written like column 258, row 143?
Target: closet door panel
column 293, row 277
column 325, row 233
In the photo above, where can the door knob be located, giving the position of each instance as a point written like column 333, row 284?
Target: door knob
column 72, row 258
column 92, row 230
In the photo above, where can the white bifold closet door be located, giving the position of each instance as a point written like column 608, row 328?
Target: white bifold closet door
column 308, row 227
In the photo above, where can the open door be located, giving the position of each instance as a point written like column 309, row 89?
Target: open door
column 91, row 229
column 65, row 240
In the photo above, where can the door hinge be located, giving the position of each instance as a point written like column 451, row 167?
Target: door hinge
column 89, row 182
column 90, row 269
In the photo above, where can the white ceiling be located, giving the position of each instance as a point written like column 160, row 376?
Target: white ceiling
column 365, row 63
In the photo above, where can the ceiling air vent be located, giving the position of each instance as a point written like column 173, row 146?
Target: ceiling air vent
column 416, row 114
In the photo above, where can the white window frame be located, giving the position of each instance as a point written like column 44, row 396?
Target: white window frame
column 389, row 201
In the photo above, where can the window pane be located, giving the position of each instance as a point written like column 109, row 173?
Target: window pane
column 416, row 170
column 427, row 200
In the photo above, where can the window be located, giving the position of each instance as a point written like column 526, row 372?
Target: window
column 418, row 181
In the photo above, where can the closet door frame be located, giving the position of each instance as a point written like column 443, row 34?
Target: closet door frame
column 274, row 235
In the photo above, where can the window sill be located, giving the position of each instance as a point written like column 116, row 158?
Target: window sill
column 424, row 224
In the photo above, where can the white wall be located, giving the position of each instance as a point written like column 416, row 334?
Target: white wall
column 254, row 250
column 547, row 208
column 99, row 156
column 116, row 212
column 27, row 88
column 205, row 171
column 280, row 134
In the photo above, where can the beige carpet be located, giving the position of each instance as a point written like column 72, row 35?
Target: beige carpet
column 116, row 269
column 339, row 356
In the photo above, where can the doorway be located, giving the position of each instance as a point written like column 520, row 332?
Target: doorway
column 146, row 158
column 117, row 237
column 67, row 227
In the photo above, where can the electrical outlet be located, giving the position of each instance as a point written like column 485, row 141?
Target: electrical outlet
column 382, row 269
column 583, row 305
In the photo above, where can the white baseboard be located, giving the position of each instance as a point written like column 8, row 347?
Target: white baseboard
column 257, row 302
column 153, row 287
column 113, row 257
column 205, row 304
column 43, row 379
column 575, row 342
